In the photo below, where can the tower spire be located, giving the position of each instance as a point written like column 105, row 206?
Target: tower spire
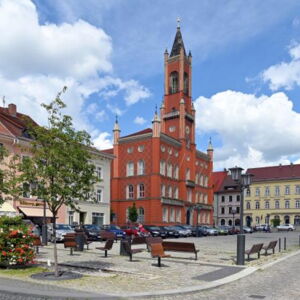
column 178, row 42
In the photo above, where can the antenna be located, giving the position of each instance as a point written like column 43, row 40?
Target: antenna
column 3, row 100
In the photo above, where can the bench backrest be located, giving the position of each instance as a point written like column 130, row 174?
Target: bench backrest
column 106, row 235
column 272, row 245
column 256, row 248
column 37, row 241
column 157, row 250
column 138, row 240
column 70, row 243
column 109, row 244
column 153, row 240
column 179, row 246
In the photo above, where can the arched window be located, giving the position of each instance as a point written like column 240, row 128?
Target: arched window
column 187, row 174
column 297, row 203
column 163, row 190
column 277, row 204
column 129, row 191
column 287, row 204
column 267, row 204
column 176, row 193
column 222, row 222
column 248, row 205
column 186, row 84
column 141, row 167
column 176, row 172
column 230, row 222
column 162, row 167
column 287, row 219
column 141, row 215
column 256, row 205
column 130, row 169
column 141, row 190
column 170, row 191
column 297, row 220
column 169, row 170
column 174, row 82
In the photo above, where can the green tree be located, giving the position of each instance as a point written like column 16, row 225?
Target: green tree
column 132, row 213
column 59, row 168
column 275, row 222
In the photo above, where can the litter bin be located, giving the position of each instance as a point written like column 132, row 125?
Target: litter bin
column 79, row 238
column 122, row 248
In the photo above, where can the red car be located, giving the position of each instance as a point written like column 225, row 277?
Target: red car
column 131, row 230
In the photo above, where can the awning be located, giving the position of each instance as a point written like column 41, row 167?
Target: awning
column 6, row 209
column 35, row 212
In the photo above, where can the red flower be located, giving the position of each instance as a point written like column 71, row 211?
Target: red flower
column 20, row 260
column 4, row 253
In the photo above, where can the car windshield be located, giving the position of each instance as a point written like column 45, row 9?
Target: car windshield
column 93, row 227
column 63, row 227
column 154, row 228
column 114, row 227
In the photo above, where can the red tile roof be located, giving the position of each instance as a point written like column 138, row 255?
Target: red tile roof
column 276, row 172
column 218, row 178
column 109, row 151
column 147, row 130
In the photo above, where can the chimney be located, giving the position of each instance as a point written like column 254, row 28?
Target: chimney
column 12, row 109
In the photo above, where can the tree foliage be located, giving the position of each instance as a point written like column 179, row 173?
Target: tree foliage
column 132, row 213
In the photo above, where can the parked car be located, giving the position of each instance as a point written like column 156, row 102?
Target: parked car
column 286, row 227
column 119, row 233
column 156, row 231
column 186, row 227
column 61, row 231
column 170, row 231
column 34, row 228
column 247, row 229
column 92, row 231
column 210, row 230
column 131, row 230
column 199, row 231
column 222, row 230
column 262, row 227
column 182, row 231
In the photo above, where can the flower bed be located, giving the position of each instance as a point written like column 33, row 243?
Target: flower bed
column 16, row 242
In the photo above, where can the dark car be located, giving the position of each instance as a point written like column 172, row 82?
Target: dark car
column 170, row 231
column 156, row 231
column 199, row 231
column 92, row 231
column 119, row 233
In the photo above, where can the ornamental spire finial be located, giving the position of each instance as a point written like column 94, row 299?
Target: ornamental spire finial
column 178, row 22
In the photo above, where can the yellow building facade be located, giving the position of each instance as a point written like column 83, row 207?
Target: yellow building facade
column 273, row 194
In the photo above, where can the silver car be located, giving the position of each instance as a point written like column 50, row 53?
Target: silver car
column 61, row 231
column 210, row 230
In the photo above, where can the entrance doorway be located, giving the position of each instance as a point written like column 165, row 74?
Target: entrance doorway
column 248, row 221
column 82, row 217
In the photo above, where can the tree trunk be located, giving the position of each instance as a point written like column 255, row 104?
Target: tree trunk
column 55, row 248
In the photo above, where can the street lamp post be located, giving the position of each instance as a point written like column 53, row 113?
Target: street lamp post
column 243, row 181
column 233, row 211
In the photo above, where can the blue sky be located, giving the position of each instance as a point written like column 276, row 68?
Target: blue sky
column 246, row 68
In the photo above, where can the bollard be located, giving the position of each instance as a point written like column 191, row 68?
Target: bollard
column 279, row 244
column 284, row 243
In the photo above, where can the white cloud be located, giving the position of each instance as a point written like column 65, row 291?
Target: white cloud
column 285, row 74
column 139, row 120
column 253, row 130
column 36, row 61
column 103, row 141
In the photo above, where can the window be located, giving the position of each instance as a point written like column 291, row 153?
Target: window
column 230, row 198
column 277, row 204
column 176, row 172
column 130, row 169
column 173, row 82
column 162, row 167
column 162, row 148
column 237, row 209
column 297, row 203
column 97, row 218
column 130, row 150
column 71, row 217
column 176, row 193
column 267, row 191
column 256, row 205
column 169, row 170
column 99, row 172
column 141, row 167
column 99, row 195
column 223, row 199
column 287, row 189
column 248, row 205
column 277, row 190
column 141, row 190
column 172, row 128
column 165, row 214
column 129, row 192
column 141, row 215
column 170, row 194
column 287, row 204
column 141, row 148
column 238, row 198
column 178, row 215
column 187, row 174
column 163, row 190
column 206, row 181
column 257, row 192
column 186, row 83
column 257, row 220
column 222, row 210
column 230, row 210
column 267, row 204
column 172, row 214
column 298, row 189
column 201, row 180
column 189, row 195
column 205, row 198
column 248, row 192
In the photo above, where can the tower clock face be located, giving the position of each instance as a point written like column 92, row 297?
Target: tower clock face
column 187, row 130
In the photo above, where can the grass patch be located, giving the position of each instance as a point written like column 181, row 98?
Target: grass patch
column 24, row 272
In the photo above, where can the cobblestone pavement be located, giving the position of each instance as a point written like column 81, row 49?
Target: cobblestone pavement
column 278, row 282
column 117, row 275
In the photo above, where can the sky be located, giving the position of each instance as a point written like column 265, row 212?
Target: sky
column 109, row 53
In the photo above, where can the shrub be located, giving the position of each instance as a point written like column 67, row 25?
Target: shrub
column 16, row 242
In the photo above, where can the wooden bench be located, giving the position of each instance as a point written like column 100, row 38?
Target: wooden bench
column 108, row 246
column 153, row 240
column 70, row 242
column 129, row 250
column 180, row 247
column 37, row 243
column 256, row 248
column 270, row 246
column 157, row 251
column 106, row 235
